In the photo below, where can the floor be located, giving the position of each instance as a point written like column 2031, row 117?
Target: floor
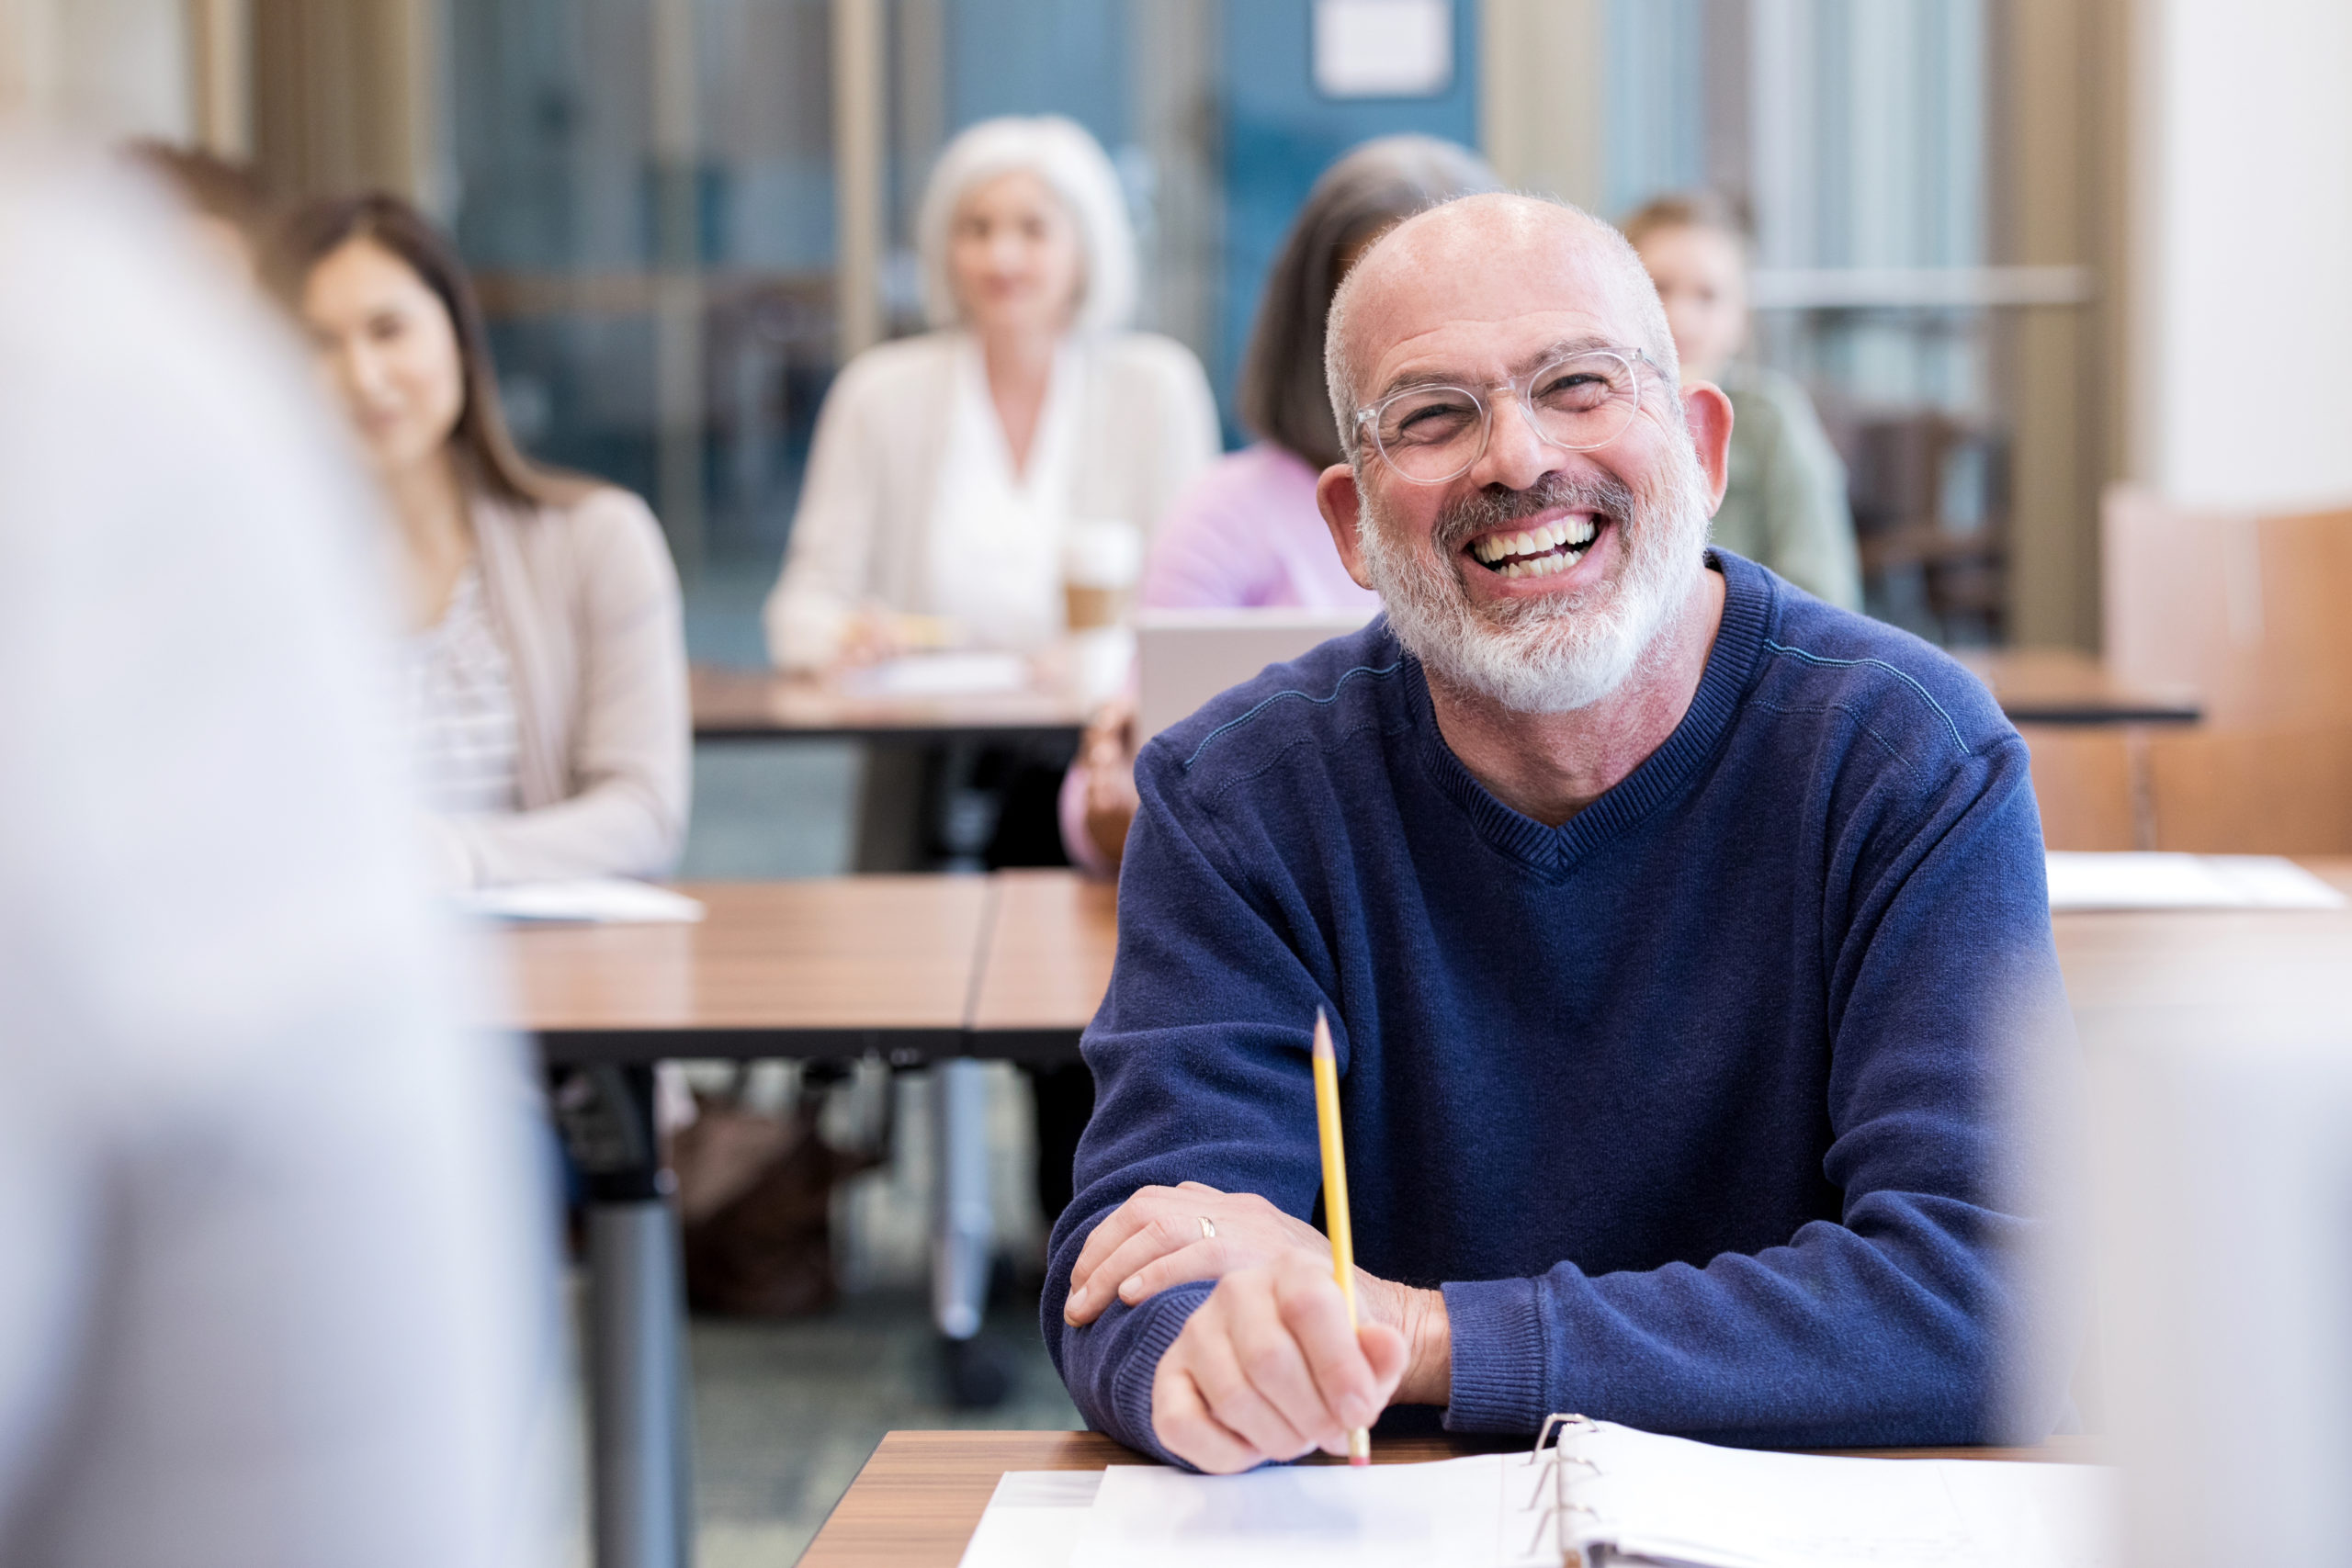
column 784, row 1414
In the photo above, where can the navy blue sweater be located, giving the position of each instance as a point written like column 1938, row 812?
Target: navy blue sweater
column 1694, row 1106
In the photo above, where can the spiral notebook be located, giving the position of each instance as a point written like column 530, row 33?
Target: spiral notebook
column 1603, row 1493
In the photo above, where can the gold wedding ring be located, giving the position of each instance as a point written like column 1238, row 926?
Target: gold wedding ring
column 1208, row 1230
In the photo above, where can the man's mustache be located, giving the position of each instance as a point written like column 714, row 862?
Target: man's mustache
column 1464, row 520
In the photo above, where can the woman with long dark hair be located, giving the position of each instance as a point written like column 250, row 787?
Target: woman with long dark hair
column 544, row 672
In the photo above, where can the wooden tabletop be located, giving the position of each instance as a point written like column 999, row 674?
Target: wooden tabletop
column 920, row 1495
column 1046, row 962
column 2128, row 972
column 2065, row 686
column 842, row 964
column 736, row 705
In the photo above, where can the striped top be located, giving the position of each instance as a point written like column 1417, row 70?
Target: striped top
column 456, row 699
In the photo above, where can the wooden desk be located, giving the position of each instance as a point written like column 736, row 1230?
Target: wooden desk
column 1046, row 964
column 759, row 705
column 920, row 1496
column 2127, row 971
column 831, row 968
column 2065, row 686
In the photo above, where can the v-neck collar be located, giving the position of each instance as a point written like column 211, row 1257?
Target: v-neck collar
column 1039, row 481
column 1663, row 776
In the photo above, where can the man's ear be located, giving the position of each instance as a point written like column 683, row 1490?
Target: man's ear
column 1707, row 413
column 1342, row 507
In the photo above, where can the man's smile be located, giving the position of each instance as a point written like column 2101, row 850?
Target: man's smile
column 1522, row 548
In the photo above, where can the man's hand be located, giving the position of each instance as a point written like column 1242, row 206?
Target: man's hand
column 1155, row 1239
column 1268, row 1369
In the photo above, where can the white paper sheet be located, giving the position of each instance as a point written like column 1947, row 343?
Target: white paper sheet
column 1444, row 1515
column 599, row 900
column 2081, row 880
column 1034, row 1519
column 939, row 675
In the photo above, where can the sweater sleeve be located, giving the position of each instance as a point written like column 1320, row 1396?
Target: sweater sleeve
column 631, row 749
column 1190, row 1085
column 1939, row 1309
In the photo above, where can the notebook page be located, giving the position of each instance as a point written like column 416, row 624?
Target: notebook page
column 602, row 900
column 2082, row 880
column 1448, row 1514
column 1033, row 1519
column 1674, row 1501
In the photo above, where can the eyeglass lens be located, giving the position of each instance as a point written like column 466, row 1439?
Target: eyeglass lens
column 1433, row 434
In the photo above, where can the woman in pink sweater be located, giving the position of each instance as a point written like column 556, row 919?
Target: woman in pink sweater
column 1246, row 534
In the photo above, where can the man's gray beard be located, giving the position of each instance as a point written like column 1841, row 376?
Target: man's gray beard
column 1560, row 652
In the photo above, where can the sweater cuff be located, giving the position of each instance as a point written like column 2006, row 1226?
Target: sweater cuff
column 1164, row 1318
column 1498, row 1379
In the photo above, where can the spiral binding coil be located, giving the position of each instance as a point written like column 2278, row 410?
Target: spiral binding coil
column 1556, row 1428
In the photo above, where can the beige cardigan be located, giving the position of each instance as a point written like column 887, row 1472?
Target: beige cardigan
column 584, row 601
column 1147, row 424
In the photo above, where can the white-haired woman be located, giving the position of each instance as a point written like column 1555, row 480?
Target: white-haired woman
column 948, row 467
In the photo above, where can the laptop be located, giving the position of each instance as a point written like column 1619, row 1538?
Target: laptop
column 1185, row 657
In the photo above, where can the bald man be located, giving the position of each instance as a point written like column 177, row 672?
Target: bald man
column 1683, row 937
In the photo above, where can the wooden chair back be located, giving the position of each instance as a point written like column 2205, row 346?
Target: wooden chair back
column 2253, row 611
column 2083, row 778
column 2278, row 790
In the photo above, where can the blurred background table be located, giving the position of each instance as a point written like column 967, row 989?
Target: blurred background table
column 840, row 965
column 760, row 704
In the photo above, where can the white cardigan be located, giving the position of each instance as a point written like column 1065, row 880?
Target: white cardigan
column 585, row 602
column 1147, row 424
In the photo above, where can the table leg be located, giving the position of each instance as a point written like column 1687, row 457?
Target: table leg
column 964, row 1244
column 639, row 1439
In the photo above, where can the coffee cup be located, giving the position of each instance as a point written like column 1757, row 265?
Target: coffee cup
column 1101, row 562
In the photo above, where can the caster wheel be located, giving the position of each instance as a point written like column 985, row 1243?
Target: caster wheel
column 980, row 1372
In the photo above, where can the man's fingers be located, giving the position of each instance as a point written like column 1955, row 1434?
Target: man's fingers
column 1316, row 1314
column 1113, row 1233
column 1182, row 1421
column 1385, row 1349
column 1233, row 1396
column 1163, row 1239
column 1274, row 1356
column 1201, row 1260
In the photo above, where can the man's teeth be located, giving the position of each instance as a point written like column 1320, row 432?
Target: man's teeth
column 1573, row 533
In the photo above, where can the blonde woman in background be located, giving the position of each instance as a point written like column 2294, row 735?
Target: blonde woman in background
column 544, row 675
column 948, row 467
column 1785, row 504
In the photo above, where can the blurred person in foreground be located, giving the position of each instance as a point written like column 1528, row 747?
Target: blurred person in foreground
column 1246, row 534
column 1784, row 495
column 277, row 1290
column 543, row 675
column 1681, row 935
column 226, row 207
column 947, row 468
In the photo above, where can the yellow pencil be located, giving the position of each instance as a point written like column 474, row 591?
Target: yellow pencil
column 1335, row 1195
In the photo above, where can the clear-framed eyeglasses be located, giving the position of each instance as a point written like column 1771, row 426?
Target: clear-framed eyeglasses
column 1578, row 402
